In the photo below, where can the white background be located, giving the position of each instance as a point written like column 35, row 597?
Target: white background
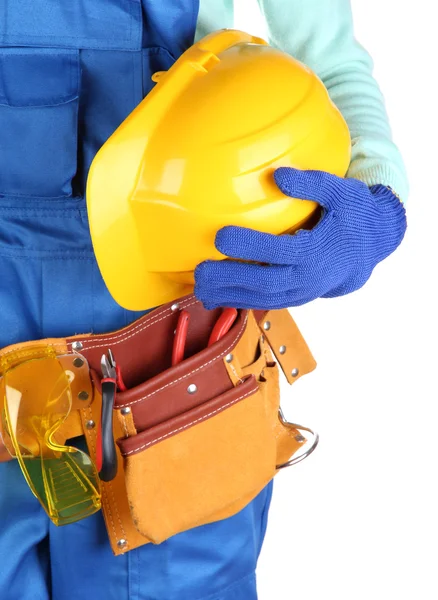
column 359, row 518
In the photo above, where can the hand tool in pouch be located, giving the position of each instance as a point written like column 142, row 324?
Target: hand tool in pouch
column 106, row 449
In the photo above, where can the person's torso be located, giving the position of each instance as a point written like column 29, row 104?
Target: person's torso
column 76, row 70
column 70, row 73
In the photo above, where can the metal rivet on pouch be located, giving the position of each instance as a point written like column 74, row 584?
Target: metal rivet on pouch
column 90, row 424
column 229, row 358
column 300, row 438
column 125, row 411
column 83, row 395
column 282, row 349
column 174, row 307
column 122, row 544
column 267, row 325
column 78, row 362
column 192, row 389
column 77, row 345
column 294, row 372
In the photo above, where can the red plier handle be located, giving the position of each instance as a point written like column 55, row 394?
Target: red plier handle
column 223, row 325
column 179, row 342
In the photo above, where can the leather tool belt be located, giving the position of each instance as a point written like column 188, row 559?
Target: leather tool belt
column 196, row 441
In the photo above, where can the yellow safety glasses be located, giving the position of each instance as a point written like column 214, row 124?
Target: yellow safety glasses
column 37, row 397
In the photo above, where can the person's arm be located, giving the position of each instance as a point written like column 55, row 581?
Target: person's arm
column 362, row 219
column 320, row 34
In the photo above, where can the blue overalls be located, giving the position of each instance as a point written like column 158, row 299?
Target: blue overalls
column 70, row 72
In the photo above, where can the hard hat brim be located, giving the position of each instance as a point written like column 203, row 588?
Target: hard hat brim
column 114, row 230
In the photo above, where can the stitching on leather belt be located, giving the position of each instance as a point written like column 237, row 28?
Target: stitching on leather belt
column 125, row 336
column 175, row 381
column 115, row 504
column 131, row 332
column 62, row 344
column 233, row 369
column 188, row 425
column 105, row 500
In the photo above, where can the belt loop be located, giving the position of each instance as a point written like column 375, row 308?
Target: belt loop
column 287, row 344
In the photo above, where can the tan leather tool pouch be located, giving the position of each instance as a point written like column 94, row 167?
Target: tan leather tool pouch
column 202, row 465
column 196, row 441
column 203, row 438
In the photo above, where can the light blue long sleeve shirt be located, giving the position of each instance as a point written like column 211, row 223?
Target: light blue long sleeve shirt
column 320, row 34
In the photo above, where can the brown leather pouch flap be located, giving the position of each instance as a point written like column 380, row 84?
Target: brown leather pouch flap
column 143, row 350
column 176, row 425
column 187, row 385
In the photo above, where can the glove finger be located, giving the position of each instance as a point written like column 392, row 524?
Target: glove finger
column 286, row 249
column 241, row 298
column 319, row 186
column 248, row 244
column 213, row 275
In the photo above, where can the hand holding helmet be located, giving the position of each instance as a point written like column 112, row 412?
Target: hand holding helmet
column 359, row 227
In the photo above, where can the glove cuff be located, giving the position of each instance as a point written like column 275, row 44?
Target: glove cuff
column 384, row 191
column 395, row 215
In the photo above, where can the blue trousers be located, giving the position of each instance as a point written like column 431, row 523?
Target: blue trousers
column 40, row 561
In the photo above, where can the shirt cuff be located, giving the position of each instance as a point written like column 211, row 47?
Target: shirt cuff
column 384, row 174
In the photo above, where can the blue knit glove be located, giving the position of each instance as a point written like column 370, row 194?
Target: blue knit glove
column 359, row 227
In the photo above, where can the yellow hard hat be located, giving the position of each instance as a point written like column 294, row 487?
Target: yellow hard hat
column 199, row 153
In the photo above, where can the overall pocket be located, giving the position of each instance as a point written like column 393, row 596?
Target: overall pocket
column 39, row 91
column 203, row 465
column 93, row 24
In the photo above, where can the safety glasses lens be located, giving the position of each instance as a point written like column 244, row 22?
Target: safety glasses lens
column 37, row 401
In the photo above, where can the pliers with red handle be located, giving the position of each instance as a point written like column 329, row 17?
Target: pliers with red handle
column 221, row 327
column 106, row 455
